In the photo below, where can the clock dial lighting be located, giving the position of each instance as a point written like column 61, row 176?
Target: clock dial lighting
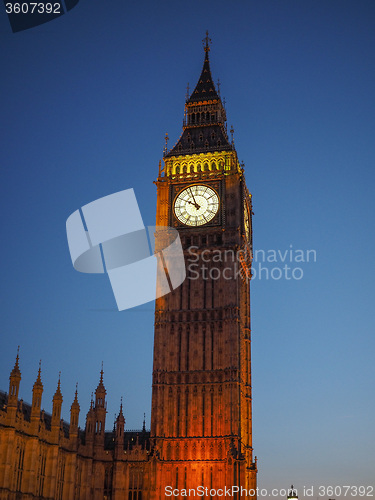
column 196, row 205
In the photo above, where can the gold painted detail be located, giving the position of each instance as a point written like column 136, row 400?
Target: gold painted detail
column 210, row 164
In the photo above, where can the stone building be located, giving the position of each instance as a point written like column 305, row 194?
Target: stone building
column 201, row 416
column 42, row 456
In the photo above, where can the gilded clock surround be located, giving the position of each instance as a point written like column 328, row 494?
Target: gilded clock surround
column 193, row 207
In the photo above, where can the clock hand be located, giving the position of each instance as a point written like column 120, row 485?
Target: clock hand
column 195, row 203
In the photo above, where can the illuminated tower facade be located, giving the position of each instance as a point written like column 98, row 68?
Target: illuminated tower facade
column 201, row 422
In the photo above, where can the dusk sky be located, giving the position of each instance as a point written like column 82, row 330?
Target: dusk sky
column 86, row 101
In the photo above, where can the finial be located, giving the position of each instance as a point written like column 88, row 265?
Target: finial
column 38, row 381
column 75, row 401
column 206, row 42
column 231, row 133
column 16, row 369
column 187, row 91
column 59, row 381
column 101, row 374
column 121, row 406
column 166, row 143
column 144, row 422
column 16, row 364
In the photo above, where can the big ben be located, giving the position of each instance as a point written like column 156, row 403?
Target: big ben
column 201, row 421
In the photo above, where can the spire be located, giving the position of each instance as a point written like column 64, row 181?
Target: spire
column 16, row 369
column 204, row 124
column 14, row 384
column 119, row 430
column 205, row 88
column 58, row 396
column 144, row 423
column 100, row 392
column 38, row 381
column 120, row 416
column 101, row 374
column 56, row 405
column 37, row 395
column 101, row 385
column 75, row 403
column 74, row 415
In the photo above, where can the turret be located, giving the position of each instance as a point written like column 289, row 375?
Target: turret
column 56, row 412
column 100, row 411
column 14, row 385
column 37, row 396
column 90, row 423
column 119, row 435
column 74, row 416
column 56, row 406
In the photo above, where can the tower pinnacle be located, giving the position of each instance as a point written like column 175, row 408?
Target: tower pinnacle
column 38, row 381
column 205, row 117
column 206, row 42
column 16, row 369
column 58, row 396
column 14, row 383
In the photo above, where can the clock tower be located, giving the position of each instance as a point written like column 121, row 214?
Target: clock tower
column 201, row 421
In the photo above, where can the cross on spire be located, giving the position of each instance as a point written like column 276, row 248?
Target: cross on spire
column 206, row 42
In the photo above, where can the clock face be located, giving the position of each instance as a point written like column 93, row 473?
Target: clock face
column 196, row 205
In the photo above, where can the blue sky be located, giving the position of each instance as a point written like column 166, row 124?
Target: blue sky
column 86, row 101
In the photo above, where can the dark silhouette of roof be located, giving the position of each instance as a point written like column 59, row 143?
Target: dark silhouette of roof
column 205, row 88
